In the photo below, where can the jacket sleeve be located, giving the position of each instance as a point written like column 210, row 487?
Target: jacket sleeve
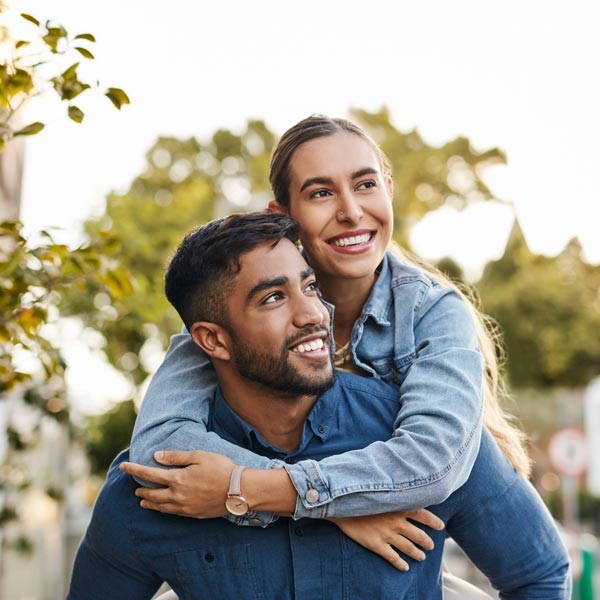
column 436, row 432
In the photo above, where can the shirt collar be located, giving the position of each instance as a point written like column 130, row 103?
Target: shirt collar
column 380, row 299
column 319, row 423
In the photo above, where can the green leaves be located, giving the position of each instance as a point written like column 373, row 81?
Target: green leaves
column 84, row 52
column 76, row 114
column 117, row 96
column 31, row 129
column 30, row 19
column 85, row 36
column 24, row 76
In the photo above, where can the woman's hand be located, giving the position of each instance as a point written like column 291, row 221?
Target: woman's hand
column 387, row 533
column 199, row 489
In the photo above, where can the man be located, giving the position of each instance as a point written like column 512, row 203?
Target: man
column 250, row 302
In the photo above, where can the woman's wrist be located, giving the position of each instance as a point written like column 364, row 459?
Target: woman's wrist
column 269, row 490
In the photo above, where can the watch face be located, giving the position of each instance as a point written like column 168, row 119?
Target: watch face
column 237, row 505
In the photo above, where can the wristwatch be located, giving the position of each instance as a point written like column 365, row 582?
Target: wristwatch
column 236, row 504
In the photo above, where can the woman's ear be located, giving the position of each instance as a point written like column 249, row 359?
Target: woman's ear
column 389, row 182
column 274, row 206
column 211, row 338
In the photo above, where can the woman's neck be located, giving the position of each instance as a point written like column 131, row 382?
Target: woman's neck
column 348, row 296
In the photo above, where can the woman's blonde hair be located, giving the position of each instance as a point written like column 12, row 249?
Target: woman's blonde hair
column 499, row 422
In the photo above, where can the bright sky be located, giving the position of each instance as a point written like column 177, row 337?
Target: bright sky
column 519, row 75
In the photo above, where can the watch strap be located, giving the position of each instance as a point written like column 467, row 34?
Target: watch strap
column 235, row 483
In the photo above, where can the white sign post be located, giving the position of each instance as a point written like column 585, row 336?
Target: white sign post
column 568, row 453
column 591, row 407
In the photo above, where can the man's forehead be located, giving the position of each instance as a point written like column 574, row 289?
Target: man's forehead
column 270, row 262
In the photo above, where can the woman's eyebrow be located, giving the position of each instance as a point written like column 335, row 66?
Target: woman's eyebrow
column 328, row 180
column 313, row 180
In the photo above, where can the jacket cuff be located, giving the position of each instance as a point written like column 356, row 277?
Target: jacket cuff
column 313, row 492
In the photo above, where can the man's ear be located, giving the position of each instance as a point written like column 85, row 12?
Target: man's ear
column 212, row 338
column 274, row 206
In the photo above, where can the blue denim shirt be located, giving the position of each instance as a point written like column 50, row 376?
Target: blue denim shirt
column 496, row 517
column 411, row 332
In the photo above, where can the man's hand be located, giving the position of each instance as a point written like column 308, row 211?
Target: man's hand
column 198, row 490
column 386, row 533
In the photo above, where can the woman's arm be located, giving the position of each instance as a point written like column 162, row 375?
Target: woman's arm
column 430, row 455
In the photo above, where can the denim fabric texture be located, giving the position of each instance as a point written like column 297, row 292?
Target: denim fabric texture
column 497, row 518
column 413, row 333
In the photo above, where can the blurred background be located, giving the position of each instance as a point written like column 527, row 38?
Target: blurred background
column 488, row 113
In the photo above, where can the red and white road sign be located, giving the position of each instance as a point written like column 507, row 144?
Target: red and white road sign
column 568, row 452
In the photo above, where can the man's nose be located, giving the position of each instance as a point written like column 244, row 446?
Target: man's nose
column 309, row 310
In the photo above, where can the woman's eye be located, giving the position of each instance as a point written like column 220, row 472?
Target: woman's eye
column 366, row 185
column 313, row 286
column 319, row 194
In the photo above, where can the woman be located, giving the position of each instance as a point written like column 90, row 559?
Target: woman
column 395, row 320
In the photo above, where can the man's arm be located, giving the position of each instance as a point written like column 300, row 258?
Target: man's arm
column 501, row 523
column 109, row 563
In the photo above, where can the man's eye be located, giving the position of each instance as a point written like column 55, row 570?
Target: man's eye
column 313, row 286
column 272, row 298
column 319, row 194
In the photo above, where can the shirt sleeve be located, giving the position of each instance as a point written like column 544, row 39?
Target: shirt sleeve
column 105, row 569
column 174, row 415
column 436, row 432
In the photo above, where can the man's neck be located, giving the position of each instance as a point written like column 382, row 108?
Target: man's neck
column 278, row 418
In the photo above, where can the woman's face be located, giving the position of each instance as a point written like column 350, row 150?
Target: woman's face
column 343, row 204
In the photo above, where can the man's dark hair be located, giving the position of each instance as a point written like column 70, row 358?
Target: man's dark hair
column 201, row 272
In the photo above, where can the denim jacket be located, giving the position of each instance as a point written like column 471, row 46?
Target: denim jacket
column 411, row 332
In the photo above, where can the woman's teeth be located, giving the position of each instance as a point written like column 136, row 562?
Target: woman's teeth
column 353, row 240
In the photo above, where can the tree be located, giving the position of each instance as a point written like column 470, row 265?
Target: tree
column 35, row 276
column 428, row 177
column 187, row 182
column 549, row 313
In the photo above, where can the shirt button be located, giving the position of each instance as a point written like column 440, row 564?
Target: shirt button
column 209, row 557
column 321, row 429
column 312, row 495
column 299, row 531
column 289, row 460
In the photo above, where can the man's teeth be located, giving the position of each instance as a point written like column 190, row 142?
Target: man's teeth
column 353, row 240
column 309, row 346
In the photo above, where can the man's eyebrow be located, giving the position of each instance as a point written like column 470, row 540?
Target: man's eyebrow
column 266, row 284
column 329, row 181
column 308, row 272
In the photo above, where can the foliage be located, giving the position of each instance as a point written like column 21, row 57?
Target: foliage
column 33, row 280
column 36, row 65
column 108, row 434
column 549, row 312
column 428, row 177
column 36, row 276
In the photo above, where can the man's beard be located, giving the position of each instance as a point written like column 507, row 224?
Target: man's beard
column 277, row 373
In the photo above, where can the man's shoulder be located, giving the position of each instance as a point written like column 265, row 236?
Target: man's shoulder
column 359, row 385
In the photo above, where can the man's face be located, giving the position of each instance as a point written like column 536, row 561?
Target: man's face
column 278, row 326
